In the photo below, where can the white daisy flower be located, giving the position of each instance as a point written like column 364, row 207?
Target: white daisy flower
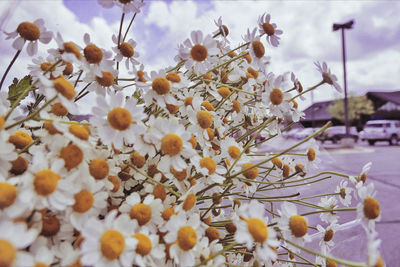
column 222, row 30
column 14, row 239
column 41, row 65
column 118, row 120
column 126, row 5
column 328, row 203
column 360, row 180
column 90, row 201
column 269, row 29
column 148, row 251
column 103, row 83
column 344, row 192
column 197, row 52
column 374, row 258
column 126, row 50
column 184, row 234
column 173, row 141
column 108, row 242
column 11, row 204
column 146, row 213
column 297, row 85
column 208, row 167
column 7, row 153
column 256, row 48
column 31, row 32
column 252, row 229
column 67, row 51
column 66, row 253
column 159, row 90
column 293, row 226
column 327, row 76
column 95, row 60
column 275, row 98
column 327, row 235
column 44, row 185
column 368, row 210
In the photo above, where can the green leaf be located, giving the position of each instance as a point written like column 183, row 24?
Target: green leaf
column 17, row 88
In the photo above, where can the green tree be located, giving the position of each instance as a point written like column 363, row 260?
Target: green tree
column 357, row 105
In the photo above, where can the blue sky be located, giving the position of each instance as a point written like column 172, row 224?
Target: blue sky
column 372, row 46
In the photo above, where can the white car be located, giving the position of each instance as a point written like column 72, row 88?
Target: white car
column 381, row 130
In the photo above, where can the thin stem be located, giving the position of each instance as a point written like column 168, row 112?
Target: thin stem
column 228, row 247
column 9, row 67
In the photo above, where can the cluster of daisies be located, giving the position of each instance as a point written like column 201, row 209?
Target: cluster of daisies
column 170, row 174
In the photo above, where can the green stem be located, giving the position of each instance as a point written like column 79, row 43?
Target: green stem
column 9, row 67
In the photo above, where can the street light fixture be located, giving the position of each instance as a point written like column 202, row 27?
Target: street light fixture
column 336, row 26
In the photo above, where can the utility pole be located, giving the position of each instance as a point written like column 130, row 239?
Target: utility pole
column 344, row 26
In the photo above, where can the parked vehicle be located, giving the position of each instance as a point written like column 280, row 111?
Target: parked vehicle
column 381, row 130
column 336, row 133
column 291, row 133
column 304, row 133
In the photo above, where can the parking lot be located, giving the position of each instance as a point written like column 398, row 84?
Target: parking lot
column 385, row 176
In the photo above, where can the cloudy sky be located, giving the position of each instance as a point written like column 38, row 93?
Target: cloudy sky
column 373, row 45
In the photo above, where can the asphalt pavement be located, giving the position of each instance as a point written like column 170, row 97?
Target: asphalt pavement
column 384, row 173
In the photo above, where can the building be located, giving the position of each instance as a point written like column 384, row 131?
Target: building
column 386, row 106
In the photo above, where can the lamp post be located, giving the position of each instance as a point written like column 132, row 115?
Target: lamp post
column 344, row 26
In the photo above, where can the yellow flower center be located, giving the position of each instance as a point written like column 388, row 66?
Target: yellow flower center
column 93, row 54
column 172, row 108
column 8, row 194
column 173, row 77
column 253, row 72
column 46, row 66
column 50, row 225
column 258, row 49
column 20, row 139
column 236, row 106
column 64, row 87
column 167, row 213
column 268, row 28
column 248, row 58
column 193, row 141
column 188, row 101
column 79, row 131
column 311, row 154
column 207, row 76
column 327, row 78
column 112, row 244
column 28, row 31
column 119, row 118
column 106, row 80
column 257, row 229
column 141, row 212
column 58, row 109
column 210, row 133
column 204, row 118
column 286, row 171
column 70, row 47
column 330, row 263
column 144, row 245
column 161, row 85
column 137, row 159
column 171, row 144
column 209, row 164
column 1, row 122
column 328, row 235
column 299, row 168
column 276, row 96
column 199, row 52
column 230, row 228
column 179, row 175
column 189, row 202
column 72, row 156
column 252, row 173
column 7, row 253
column 224, row 92
column 159, row 192
column 234, row 152
column 83, row 201
column 69, row 68
column 371, row 208
column 212, row 234
column 40, row 264
column 207, row 105
column 48, row 125
column 19, row 165
column 187, row 238
column 140, row 75
column 379, row 263
column 45, row 182
column 126, row 49
column 298, row 225
column 99, row 168
column 277, row 162
column 115, row 181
